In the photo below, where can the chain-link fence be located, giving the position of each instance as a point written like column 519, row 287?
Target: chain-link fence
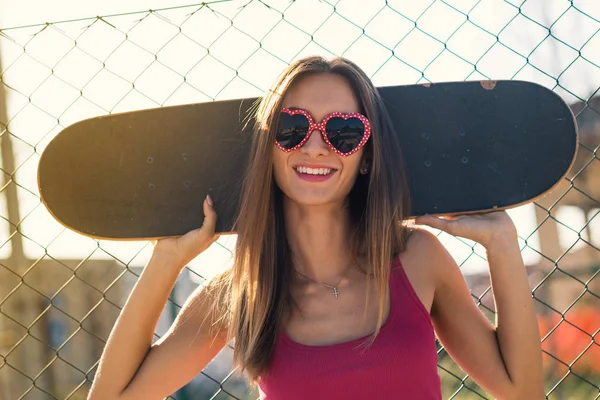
column 60, row 293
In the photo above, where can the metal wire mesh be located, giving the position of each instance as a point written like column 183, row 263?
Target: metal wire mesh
column 60, row 293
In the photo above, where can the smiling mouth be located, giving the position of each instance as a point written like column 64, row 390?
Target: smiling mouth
column 315, row 171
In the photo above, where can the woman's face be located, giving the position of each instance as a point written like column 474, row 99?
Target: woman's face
column 319, row 94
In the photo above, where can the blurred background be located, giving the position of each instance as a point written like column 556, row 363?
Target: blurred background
column 65, row 60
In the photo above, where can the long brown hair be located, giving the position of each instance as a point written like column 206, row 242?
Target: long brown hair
column 255, row 292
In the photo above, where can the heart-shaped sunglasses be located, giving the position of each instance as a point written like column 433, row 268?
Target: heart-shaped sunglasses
column 344, row 133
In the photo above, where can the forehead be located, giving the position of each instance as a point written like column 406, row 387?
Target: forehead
column 321, row 94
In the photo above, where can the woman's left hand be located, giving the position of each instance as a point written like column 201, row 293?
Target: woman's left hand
column 482, row 228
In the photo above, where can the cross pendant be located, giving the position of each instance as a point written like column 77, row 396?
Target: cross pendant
column 335, row 292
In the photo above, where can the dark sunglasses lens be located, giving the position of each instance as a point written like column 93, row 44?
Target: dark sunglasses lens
column 345, row 134
column 292, row 129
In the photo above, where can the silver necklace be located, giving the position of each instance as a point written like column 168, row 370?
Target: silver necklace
column 334, row 288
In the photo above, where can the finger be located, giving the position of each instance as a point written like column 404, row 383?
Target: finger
column 432, row 221
column 210, row 217
column 453, row 217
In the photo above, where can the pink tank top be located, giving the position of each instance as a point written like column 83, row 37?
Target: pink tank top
column 401, row 362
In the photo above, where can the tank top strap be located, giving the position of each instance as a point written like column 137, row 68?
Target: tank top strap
column 403, row 293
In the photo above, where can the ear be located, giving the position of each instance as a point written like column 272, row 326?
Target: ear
column 362, row 161
column 364, row 165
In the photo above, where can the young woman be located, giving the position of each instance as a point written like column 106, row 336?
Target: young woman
column 333, row 294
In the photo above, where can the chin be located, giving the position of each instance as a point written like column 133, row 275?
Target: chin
column 314, row 199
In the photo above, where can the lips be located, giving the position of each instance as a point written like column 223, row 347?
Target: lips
column 314, row 177
column 312, row 166
column 314, row 171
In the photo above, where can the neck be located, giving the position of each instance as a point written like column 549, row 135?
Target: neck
column 319, row 239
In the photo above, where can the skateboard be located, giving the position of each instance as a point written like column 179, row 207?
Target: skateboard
column 468, row 147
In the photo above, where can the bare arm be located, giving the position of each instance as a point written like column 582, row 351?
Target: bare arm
column 517, row 330
column 131, row 367
column 505, row 359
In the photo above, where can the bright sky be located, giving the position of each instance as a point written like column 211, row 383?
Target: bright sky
column 55, row 83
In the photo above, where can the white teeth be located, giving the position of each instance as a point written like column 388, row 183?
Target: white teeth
column 314, row 171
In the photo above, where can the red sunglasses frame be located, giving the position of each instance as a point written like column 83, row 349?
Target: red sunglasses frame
column 312, row 126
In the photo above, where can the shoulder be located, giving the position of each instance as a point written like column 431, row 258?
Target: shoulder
column 421, row 243
column 426, row 256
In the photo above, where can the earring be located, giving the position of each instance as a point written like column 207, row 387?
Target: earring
column 364, row 169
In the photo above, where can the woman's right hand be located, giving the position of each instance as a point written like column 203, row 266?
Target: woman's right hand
column 181, row 250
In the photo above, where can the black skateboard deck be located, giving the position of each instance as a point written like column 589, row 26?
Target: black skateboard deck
column 469, row 147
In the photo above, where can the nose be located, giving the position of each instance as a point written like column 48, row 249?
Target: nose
column 315, row 145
